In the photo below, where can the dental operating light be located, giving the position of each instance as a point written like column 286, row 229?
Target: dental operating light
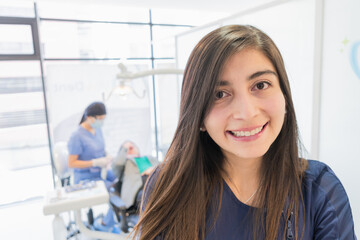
column 124, row 77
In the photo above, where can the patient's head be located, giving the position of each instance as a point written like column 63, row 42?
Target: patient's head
column 132, row 149
column 128, row 150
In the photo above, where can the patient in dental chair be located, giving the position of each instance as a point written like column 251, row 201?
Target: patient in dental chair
column 131, row 171
column 131, row 168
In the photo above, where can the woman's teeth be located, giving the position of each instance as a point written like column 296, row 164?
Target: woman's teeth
column 247, row 133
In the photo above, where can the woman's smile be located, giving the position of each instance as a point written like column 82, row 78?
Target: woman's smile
column 247, row 134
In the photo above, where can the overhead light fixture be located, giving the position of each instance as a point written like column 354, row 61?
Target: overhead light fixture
column 122, row 89
column 125, row 74
column 125, row 77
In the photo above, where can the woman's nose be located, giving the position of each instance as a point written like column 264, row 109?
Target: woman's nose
column 244, row 107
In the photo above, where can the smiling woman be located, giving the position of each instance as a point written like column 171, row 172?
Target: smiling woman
column 233, row 169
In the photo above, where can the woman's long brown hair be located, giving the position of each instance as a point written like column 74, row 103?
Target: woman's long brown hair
column 190, row 175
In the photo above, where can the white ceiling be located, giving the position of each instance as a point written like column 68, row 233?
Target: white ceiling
column 228, row 6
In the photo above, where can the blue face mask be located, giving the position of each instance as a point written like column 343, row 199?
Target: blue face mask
column 97, row 124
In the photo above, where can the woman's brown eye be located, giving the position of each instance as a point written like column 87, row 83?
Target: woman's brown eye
column 260, row 85
column 219, row 95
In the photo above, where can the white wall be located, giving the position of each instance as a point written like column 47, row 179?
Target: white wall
column 340, row 97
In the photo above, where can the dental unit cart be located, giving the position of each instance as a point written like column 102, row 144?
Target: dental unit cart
column 74, row 198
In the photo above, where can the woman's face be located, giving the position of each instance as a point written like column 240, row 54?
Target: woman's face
column 96, row 121
column 132, row 151
column 249, row 107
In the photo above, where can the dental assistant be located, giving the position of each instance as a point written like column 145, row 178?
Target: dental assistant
column 87, row 154
column 87, row 147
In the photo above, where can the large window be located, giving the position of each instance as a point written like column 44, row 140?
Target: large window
column 95, row 40
column 24, row 142
column 81, row 67
column 81, row 47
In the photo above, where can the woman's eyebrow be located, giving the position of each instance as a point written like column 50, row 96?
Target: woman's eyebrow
column 223, row 83
column 260, row 73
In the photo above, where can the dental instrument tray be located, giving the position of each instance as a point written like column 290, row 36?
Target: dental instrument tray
column 80, row 186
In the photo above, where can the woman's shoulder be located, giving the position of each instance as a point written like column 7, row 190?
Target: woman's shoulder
column 326, row 200
column 149, row 186
column 78, row 131
column 324, row 191
column 76, row 134
column 320, row 175
column 316, row 169
column 152, row 178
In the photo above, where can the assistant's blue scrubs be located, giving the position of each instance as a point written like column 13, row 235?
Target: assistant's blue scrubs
column 89, row 146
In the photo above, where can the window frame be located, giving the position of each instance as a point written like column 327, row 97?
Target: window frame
column 32, row 22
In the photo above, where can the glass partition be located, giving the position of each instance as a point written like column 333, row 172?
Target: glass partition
column 168, row 88
column 73, row 86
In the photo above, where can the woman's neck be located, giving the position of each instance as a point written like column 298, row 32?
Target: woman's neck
column 88, row 127
column 242, row 176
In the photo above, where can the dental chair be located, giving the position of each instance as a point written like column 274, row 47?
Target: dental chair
column 127, row 192
column 61, row 163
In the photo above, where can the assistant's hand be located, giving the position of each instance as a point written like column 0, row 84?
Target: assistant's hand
column 101, row 162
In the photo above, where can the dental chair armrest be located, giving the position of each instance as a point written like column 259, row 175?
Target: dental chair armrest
column 117, row 202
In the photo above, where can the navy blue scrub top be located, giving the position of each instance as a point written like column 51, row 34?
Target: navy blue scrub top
column 327, row 210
